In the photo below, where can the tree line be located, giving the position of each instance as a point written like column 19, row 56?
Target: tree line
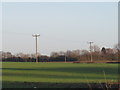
column 111, row 54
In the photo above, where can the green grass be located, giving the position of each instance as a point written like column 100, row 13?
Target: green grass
column 58, row 72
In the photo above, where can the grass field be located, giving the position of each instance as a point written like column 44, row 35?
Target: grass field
column 21, row 72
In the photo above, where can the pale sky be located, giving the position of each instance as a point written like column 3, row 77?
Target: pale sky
column 62, row 25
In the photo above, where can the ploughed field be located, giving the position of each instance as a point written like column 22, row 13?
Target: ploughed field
column 19, row 74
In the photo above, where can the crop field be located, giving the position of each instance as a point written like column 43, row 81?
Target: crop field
column 45, row 72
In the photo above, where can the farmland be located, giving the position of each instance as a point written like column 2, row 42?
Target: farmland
column 31, row 72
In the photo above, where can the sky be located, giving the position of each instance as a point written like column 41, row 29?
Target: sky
column 62, row 26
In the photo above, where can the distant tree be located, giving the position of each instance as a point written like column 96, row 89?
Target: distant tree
column 25, row 57
column 83, row 52
column 76, row 54
column 43, row 58
column 54, row 54
column 84, row 55
column 117, row 47
column 68, row 53
column 61, row 53
column 96, row 48
column 20, row 55
column 61, row 59
column 7, row 54
column 103, row 50
column 109, row 51
column 33, row 55
column 73, row 54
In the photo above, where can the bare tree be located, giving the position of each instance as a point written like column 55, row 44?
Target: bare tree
column 61, row 53
column 84, row 52
column 76, row 54
column 117, row 46
column 84, row 55
column 33, row 55
column 7, row 54
column 54, row 54
column 20, row 55
column 96, row 48
column 68, row 53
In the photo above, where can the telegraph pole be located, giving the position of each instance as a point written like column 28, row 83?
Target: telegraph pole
column 91, row 51
column 36, row 36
